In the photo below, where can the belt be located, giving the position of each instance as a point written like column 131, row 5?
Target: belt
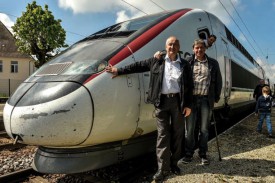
column 170, row 95
column 201, row 96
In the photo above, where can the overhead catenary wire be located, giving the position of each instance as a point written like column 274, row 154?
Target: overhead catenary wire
column 238, row 27
column 268, row 69
column 265, row 61
column 143, row 11
column 228, row 14
column 134, row 7
column 157, row 5
column 246, row 27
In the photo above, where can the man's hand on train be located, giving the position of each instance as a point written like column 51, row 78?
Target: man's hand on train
column 112, row 70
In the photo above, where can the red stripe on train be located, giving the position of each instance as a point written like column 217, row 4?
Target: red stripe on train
column 142, row 40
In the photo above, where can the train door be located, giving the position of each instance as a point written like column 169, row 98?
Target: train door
column 129, row 99
column 227, row 82
column 120, row 94
column 147, row 122
column 146, row 79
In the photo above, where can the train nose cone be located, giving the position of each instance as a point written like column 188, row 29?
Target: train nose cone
column 51, row 114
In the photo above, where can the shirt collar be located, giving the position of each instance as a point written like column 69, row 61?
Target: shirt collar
column 202, row 61
column 168, row 59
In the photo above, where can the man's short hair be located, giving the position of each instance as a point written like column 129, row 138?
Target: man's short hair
column 212, row 35
column 198, row 41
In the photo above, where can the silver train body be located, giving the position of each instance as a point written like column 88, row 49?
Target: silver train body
column 81, row 119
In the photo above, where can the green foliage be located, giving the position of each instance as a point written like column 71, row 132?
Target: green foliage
column 38, row 33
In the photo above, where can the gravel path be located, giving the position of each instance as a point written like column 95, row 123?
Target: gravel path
column 247, row 157
column 11, row 161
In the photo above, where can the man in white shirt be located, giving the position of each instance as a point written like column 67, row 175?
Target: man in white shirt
column 170, row 91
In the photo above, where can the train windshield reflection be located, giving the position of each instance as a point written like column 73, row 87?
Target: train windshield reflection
column 87, row 57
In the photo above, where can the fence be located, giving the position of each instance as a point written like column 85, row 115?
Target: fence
column 8, row 86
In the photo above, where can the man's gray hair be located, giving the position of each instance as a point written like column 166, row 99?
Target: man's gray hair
column 170, row 38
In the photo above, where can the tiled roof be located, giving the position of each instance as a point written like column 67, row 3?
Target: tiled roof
column 7, row 44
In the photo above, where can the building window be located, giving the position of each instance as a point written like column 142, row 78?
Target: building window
column 14, row 67
column 1, row 66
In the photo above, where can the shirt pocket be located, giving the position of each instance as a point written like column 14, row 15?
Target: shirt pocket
column 175, row 73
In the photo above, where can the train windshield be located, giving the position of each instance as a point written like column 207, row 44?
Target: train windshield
column 82, row 58
column 88, row 55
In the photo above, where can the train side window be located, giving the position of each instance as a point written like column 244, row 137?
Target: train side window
column 203, row 33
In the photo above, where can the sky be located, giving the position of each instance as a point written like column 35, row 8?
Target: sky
column 251, row 21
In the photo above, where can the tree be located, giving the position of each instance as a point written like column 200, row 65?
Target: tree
column 38, row 33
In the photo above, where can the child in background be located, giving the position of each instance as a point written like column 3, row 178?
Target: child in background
column 263, row 109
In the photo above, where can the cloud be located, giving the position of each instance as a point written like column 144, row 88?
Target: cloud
column 272, row 69
column 121, row 16
column 6, row 21
column 127, row 9
column 88, row 6
column 242, row 38
column 269, row 68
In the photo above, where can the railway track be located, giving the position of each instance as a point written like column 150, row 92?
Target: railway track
column 11, row 146
column 7, row 143
column 14, row 159
column 122, row 173
column 3, row 134
column 18, row 176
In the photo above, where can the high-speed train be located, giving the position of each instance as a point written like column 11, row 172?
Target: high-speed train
column 82, row 119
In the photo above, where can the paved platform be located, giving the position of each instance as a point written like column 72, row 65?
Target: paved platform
column 247, row 157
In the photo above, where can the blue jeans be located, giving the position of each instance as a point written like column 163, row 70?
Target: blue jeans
column 200, row 115
column 265, row 116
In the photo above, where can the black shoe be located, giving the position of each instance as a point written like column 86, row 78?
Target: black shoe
column 160, row 175
column 204, row 160
column 270, row 136
column 259, row 131
column 175, row 170
column 185, row 159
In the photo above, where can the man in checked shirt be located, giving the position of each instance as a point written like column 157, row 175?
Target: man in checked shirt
column 207, row 89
